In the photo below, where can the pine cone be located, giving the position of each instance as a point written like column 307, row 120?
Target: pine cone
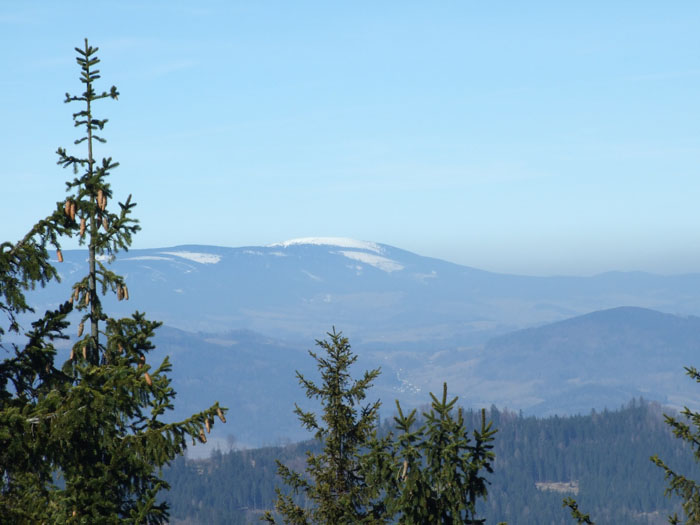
column 59, row 255
column 72, row 354
column 220, row 414
column 81, row 327
column 126, row 293
column 206, row 424
column 83, row 225
column 120, row 293
column 84, row 351
column 202, row 436
column 66, row 207
column 72, row 210
column 105, row 224
column 76, row 294
column 87, row 298
column 100, row 195
column 148, row 379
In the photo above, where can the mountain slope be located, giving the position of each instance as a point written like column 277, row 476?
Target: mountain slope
column 239, row 322
column 600, row 359
column 596, row 361
column 298, row 289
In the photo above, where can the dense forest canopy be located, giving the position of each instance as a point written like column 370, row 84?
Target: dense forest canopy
column 601, row 459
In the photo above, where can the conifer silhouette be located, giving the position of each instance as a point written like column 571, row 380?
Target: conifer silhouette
column 96, row 424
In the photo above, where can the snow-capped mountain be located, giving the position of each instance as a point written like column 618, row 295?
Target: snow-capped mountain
column 239, row 322
column 298, row 289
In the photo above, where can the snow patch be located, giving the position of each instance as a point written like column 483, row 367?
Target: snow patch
column 422, row 277
column 146, row 258
column 202, row 258
column 377, row 261
column 340, row 242
column 356, row 268
column 258, row 252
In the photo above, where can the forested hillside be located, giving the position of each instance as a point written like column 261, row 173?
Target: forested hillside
column 602, row 459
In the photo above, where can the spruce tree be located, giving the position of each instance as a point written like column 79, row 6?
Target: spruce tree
column 687, row 489
column 97, row 422
column 334, row 485
column 434, row 473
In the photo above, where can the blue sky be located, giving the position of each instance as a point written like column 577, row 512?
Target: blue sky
column 525, row 137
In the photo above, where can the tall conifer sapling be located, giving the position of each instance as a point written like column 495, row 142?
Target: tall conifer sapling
column 334, row 484
column 97, row 423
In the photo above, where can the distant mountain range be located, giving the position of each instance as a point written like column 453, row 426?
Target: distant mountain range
column 299, row 289
column 239, row 322
column 602, row 359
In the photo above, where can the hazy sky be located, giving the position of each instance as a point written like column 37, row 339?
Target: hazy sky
column 526, row 137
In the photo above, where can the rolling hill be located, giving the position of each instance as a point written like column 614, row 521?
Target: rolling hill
column 238, row 322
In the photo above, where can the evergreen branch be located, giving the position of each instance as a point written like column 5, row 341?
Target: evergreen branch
column 580, row 518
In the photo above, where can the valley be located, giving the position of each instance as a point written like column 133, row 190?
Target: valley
column 239, row 321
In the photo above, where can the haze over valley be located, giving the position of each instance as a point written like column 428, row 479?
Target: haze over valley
column 238, row 322
column 498, row 203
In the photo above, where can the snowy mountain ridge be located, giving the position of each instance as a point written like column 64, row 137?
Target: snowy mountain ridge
column 301, row 287
column 420, row 319
column 339, row 242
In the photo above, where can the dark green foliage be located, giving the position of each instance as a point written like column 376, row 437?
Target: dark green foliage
column 334, row 484
column 27, row 370
column 687, row 489
column 606, row 452
column 434, row 474
column 580, row 517
column 95, row 423
column 234, row 487
column 26, row 263
column 428, row 475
